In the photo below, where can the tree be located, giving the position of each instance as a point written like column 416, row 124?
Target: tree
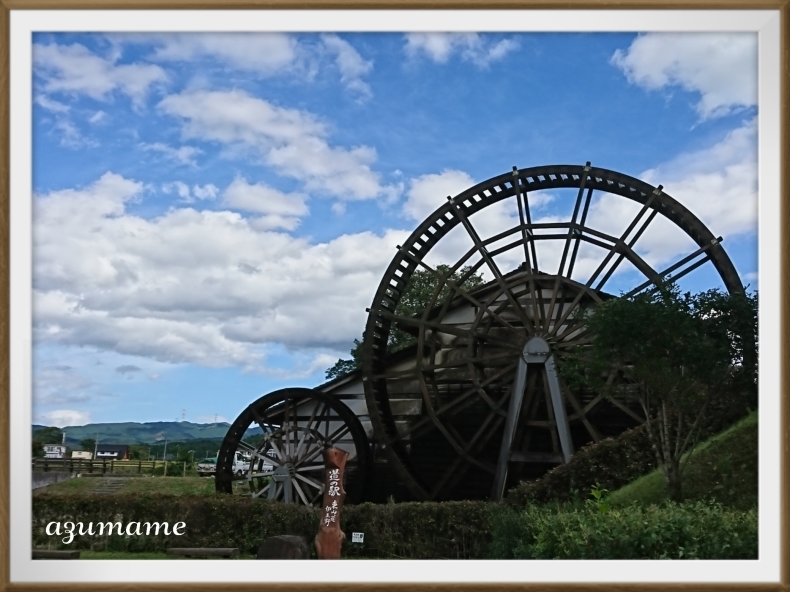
column 415, row 298
column 48, row 435
column 88, row 444
column 674, row 353
column 38, row 448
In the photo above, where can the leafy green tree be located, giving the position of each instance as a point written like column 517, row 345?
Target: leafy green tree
column 38, row 449
column 415, row 298
column 88, row 444
column 674, row 354
column 138, row 452
column 48, row 435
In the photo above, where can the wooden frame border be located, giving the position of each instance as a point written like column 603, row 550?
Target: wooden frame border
column 7, row 5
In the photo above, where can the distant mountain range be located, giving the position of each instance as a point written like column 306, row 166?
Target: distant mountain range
column 146, row 433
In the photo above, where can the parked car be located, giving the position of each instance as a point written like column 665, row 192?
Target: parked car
column 208, row 466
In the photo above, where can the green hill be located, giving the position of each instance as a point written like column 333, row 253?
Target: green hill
column 723, row 468
column 146, row 433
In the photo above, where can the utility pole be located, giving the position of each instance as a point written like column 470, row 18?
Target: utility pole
column 164, row 457
column 96, row 446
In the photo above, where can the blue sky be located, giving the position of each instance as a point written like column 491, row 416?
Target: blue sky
column 213, row 212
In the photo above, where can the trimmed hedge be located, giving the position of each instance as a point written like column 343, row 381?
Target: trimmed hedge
column 451, row 530
column 610, row 463
column 670, row 531
column 456, row 530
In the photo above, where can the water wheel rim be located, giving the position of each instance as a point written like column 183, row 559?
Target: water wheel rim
column 411, row 256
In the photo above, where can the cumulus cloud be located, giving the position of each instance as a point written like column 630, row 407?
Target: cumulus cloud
column 64, row 417
column 718, row 184
column 294, row 143
column 262, row 53
column 721, row 67
column 191, row 194
column 276, row 209
column 160, row 289
column 352, row 66
column 440, row 47
column 429, row 192
column 74, row 69
column 183, row 155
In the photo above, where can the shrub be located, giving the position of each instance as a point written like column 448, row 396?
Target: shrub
column 428, row 530
column 419, row 530
column 610, row 463
column 671, row 531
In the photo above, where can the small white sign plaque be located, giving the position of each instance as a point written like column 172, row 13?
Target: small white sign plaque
column 357, row 537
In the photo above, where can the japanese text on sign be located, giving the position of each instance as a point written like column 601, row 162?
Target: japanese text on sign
column 334, row 482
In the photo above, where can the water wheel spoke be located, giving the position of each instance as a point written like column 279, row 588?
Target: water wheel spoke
column 299, row 491
column 451, row 404
column 310, row 481
column 457, row 331
column 580, row 412
column 478, row 440
column 261, row 491
column 679, row 265
column 301, row 469
column 492, row 266
column 427, row 368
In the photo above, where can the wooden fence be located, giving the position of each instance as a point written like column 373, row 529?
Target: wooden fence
column 104, row 466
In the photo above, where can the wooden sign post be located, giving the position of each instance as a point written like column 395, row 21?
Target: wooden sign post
column 330, row 538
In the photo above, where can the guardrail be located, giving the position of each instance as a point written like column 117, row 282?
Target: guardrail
column 104, row 466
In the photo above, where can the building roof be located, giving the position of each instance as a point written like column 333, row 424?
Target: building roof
column 111, row 447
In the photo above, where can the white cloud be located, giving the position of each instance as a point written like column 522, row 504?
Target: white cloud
column 294, row 143
column 440, row 47
column 429, row 192
column 278, row 209
column 64, row 417
column 74, row 69
column 722, row 67
column 70, row 135
column 718, row 184
column 262, row 53
column 200, row 287
column 352, row 66
column 192, row 194
column 97, row 117
column 208, row 191
column 51, row 105
column 183, row 155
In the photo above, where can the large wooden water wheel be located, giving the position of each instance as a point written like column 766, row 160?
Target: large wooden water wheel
column 280, row 439
column 483, row 363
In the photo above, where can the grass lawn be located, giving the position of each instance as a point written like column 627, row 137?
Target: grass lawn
column 138, row 485
column 723, row 468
